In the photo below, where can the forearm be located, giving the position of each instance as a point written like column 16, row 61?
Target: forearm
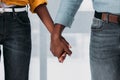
column 44, row 15
column 65, row 15
column 67, row 11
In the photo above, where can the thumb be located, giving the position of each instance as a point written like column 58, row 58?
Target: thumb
column 62, row 57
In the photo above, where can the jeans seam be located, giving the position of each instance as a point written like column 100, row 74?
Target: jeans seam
column 20, row 21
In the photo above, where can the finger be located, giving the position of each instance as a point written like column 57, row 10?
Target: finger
column 68, row 51
column 62, row 57
column 69, row 46
column 60, row 52
column 57, row 52
column 67, row 43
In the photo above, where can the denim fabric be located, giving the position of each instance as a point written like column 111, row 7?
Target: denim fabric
column 15, row 36
column 105, row 50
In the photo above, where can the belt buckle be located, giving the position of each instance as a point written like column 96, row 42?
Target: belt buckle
column 2, row 11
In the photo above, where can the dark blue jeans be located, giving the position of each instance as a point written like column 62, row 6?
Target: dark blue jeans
column 105, row 50
column 15, row 36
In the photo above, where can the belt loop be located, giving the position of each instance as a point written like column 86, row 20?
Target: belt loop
column 13, row 9
column 27, row 8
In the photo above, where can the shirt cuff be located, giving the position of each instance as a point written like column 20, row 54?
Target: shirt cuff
column 36, row 3
column 64, row 19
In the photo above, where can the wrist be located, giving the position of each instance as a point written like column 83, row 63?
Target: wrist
column 58, row 29
column 55, row 36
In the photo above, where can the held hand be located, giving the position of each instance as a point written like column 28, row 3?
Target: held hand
column 63, row 56
column 60, row 47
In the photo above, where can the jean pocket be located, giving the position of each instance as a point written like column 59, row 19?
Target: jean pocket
column 97, row 25
column 22, row 18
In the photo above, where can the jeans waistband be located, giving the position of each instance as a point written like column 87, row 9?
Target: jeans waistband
column 108, row 17
column 13, row 9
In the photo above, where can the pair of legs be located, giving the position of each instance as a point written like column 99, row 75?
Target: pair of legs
column 105, row 50
column 15, row 36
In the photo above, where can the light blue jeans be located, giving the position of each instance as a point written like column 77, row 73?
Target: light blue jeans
column 105, row 50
